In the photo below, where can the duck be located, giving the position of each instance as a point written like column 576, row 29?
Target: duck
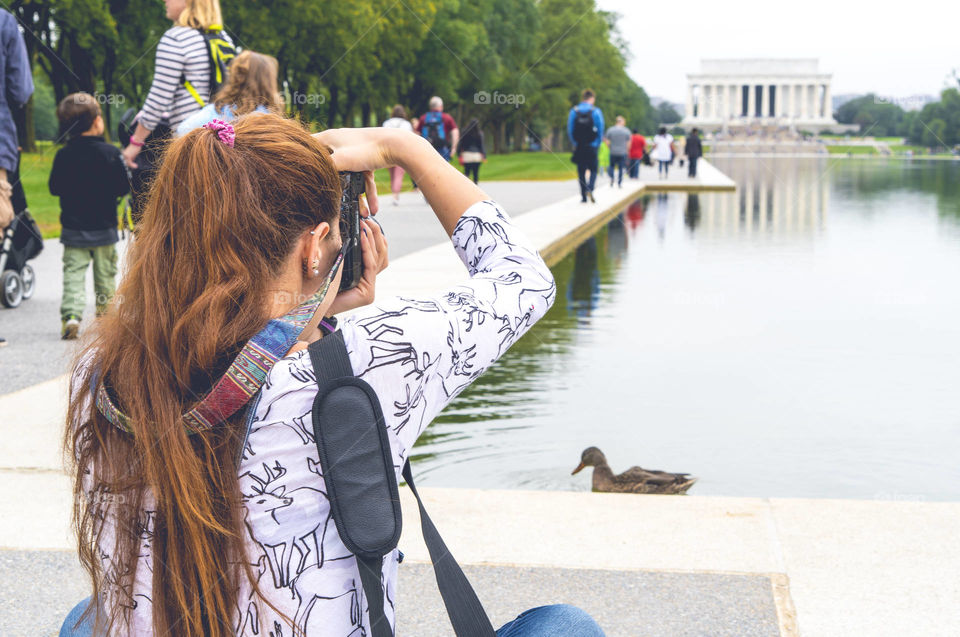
column 634, row 479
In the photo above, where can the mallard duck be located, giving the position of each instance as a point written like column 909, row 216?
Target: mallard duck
column 634, row 479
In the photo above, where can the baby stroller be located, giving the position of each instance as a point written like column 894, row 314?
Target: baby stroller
column 22, row 241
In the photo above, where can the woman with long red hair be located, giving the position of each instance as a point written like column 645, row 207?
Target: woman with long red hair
column 201, row 507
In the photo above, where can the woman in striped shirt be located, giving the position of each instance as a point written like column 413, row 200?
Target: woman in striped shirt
column 182, row 56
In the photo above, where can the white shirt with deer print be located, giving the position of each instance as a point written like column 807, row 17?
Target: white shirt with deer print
column 417, row 354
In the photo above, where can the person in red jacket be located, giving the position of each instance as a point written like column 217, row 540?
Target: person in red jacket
column 638, row 146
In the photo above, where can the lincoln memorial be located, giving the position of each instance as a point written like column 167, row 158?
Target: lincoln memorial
column 733, row 93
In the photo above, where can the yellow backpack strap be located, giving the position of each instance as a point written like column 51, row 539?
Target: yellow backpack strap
column 187, row 85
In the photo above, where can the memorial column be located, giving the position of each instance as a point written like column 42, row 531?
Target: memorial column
column 764, row 100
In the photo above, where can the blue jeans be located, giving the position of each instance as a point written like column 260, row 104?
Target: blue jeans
column 543, row 621
column 552, row 621
column 585, row 164
column 618, row 163
column 83, row 630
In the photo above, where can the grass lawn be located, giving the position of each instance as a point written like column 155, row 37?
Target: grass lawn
column 542, row 166
column 888, row 140
column 897, row 149
column 841, row 149
column 34, row 171
column 917, row 150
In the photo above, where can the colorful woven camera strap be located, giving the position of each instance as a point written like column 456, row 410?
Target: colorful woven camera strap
column 246, row 374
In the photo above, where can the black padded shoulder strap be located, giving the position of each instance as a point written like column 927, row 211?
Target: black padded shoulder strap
column 357, row 468
column 362, row 487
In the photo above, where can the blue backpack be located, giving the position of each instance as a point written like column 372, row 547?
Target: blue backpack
column 433, row 130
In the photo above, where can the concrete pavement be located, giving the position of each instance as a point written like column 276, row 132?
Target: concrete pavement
column 35, row 353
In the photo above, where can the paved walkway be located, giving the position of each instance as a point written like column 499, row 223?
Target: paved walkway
column 625, row 603
column 35, row 352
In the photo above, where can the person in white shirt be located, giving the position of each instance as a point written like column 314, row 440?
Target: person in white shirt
column 663, row 151
column 398, row 119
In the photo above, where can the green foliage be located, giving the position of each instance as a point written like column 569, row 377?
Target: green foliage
column 876, row 117
column 44, row 109
column 628, row 99
column 938, row 124
column 347, row 63
column 666, row 114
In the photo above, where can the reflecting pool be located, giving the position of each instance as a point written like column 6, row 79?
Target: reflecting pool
column 800, row 337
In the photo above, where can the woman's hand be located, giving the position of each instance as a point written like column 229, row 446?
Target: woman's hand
column 130, row 154
column 373, row 245
column 448, row 192
column 362, row 149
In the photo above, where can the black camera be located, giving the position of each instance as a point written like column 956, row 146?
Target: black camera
column 351, row 186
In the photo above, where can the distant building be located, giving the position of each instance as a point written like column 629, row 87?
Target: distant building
column 749, row 92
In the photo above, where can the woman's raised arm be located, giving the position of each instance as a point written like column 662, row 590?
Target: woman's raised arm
column 447, row 190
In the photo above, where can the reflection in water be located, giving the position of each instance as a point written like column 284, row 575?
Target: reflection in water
column 511, row 391
column 688, row 338
column 635, row 213
column 584, row 288
column 774, row 197
column 661, row 213
column 691, row 215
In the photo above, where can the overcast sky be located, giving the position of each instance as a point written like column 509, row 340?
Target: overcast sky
column 867, row 46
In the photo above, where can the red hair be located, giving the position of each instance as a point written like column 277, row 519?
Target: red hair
column 219, row 226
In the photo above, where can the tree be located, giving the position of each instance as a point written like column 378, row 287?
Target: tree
column 346, row 63
column 667, row 114
column 875, row 116
column 938, row 124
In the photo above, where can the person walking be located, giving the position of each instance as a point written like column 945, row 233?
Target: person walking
column 439, row 128
column 251, row 87
column 16, row 87
column 398, row 119
column 662, row 151
column 618, row 136
column 693, row 150
column 470, row 150
column 181, row 86
column 638, row 146
column 585, row 129
column 89, row 176
column 603, row 160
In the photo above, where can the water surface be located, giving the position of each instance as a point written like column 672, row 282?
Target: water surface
column 799, row 337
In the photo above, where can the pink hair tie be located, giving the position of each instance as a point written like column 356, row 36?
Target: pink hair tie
column 223, row 130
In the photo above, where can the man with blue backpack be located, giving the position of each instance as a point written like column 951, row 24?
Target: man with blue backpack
column 439, row 128
column 585, row 129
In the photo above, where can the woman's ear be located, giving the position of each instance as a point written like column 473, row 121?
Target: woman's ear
column 311, row 251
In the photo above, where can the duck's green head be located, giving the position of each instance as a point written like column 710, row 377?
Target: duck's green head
column 591, row 457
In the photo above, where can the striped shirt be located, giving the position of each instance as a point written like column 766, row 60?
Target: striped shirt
column 181, row 54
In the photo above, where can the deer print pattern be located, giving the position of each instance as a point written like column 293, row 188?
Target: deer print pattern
column 417, row 354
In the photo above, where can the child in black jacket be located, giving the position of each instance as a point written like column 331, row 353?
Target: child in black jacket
column 89, row 176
